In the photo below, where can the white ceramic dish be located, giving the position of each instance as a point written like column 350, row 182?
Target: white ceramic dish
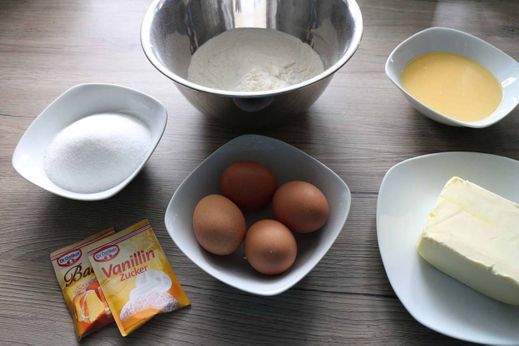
column 77, row 102
column 287, row 163
column 504, row 68
column 407, row 194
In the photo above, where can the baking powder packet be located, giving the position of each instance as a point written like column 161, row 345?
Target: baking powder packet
column 135, row 276
column 80, row 288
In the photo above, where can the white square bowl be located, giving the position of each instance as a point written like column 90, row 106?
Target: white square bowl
column 502, row 66
column 287, row 163
column 76, row 103
column 407, row 194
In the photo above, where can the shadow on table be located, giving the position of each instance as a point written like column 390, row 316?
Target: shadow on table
column 288, row 316
column 499, row 139
column 297, row 128
column 134, row 202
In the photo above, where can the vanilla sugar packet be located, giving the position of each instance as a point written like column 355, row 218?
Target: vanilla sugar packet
column 135, row 276
column 80, row 288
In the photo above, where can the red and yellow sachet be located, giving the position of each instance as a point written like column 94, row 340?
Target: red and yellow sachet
column 80, row 288
column 135, row 276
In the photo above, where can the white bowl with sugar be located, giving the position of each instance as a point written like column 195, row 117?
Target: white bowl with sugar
column 91, row 141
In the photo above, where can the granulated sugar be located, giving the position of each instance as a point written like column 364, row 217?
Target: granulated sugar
column 97, row 152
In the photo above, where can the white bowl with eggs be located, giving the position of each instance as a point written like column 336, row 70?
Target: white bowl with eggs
column 438, row 39
column 287, row 163
column 73, row 106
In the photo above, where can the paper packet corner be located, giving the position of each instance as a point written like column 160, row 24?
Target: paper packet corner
column 135, row 276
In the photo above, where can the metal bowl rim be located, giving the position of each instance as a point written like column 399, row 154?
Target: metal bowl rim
column 146, row 46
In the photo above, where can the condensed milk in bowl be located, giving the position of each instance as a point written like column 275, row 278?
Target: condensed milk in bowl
column 455, row 78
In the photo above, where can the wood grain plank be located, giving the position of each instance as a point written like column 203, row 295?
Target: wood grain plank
column 360, row 127
column 219, row 314
column 352, row 265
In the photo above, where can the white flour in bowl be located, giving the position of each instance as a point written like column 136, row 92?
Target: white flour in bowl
column 252, row 59
column 97, row 152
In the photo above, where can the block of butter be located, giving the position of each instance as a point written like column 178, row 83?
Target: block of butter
column 473, row 235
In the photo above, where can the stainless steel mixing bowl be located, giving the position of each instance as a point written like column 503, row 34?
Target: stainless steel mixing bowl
column 173, row 30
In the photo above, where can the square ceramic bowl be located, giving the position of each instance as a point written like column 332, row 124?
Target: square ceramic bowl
column 78, row 102
column 504, row 68
column 287, row 163
column 407, row 195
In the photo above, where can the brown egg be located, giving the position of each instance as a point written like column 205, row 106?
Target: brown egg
column 248, row 184
column 301, row 206
column 270, row 247
column 219, row 225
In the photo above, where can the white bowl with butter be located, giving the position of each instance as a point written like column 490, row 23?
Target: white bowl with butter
column 472, row 235
column 409, row 192
column 454, row 42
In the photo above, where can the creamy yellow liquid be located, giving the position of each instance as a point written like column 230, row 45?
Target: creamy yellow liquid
column 453, row 85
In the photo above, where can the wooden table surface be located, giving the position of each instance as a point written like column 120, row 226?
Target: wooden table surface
column 360, row 127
